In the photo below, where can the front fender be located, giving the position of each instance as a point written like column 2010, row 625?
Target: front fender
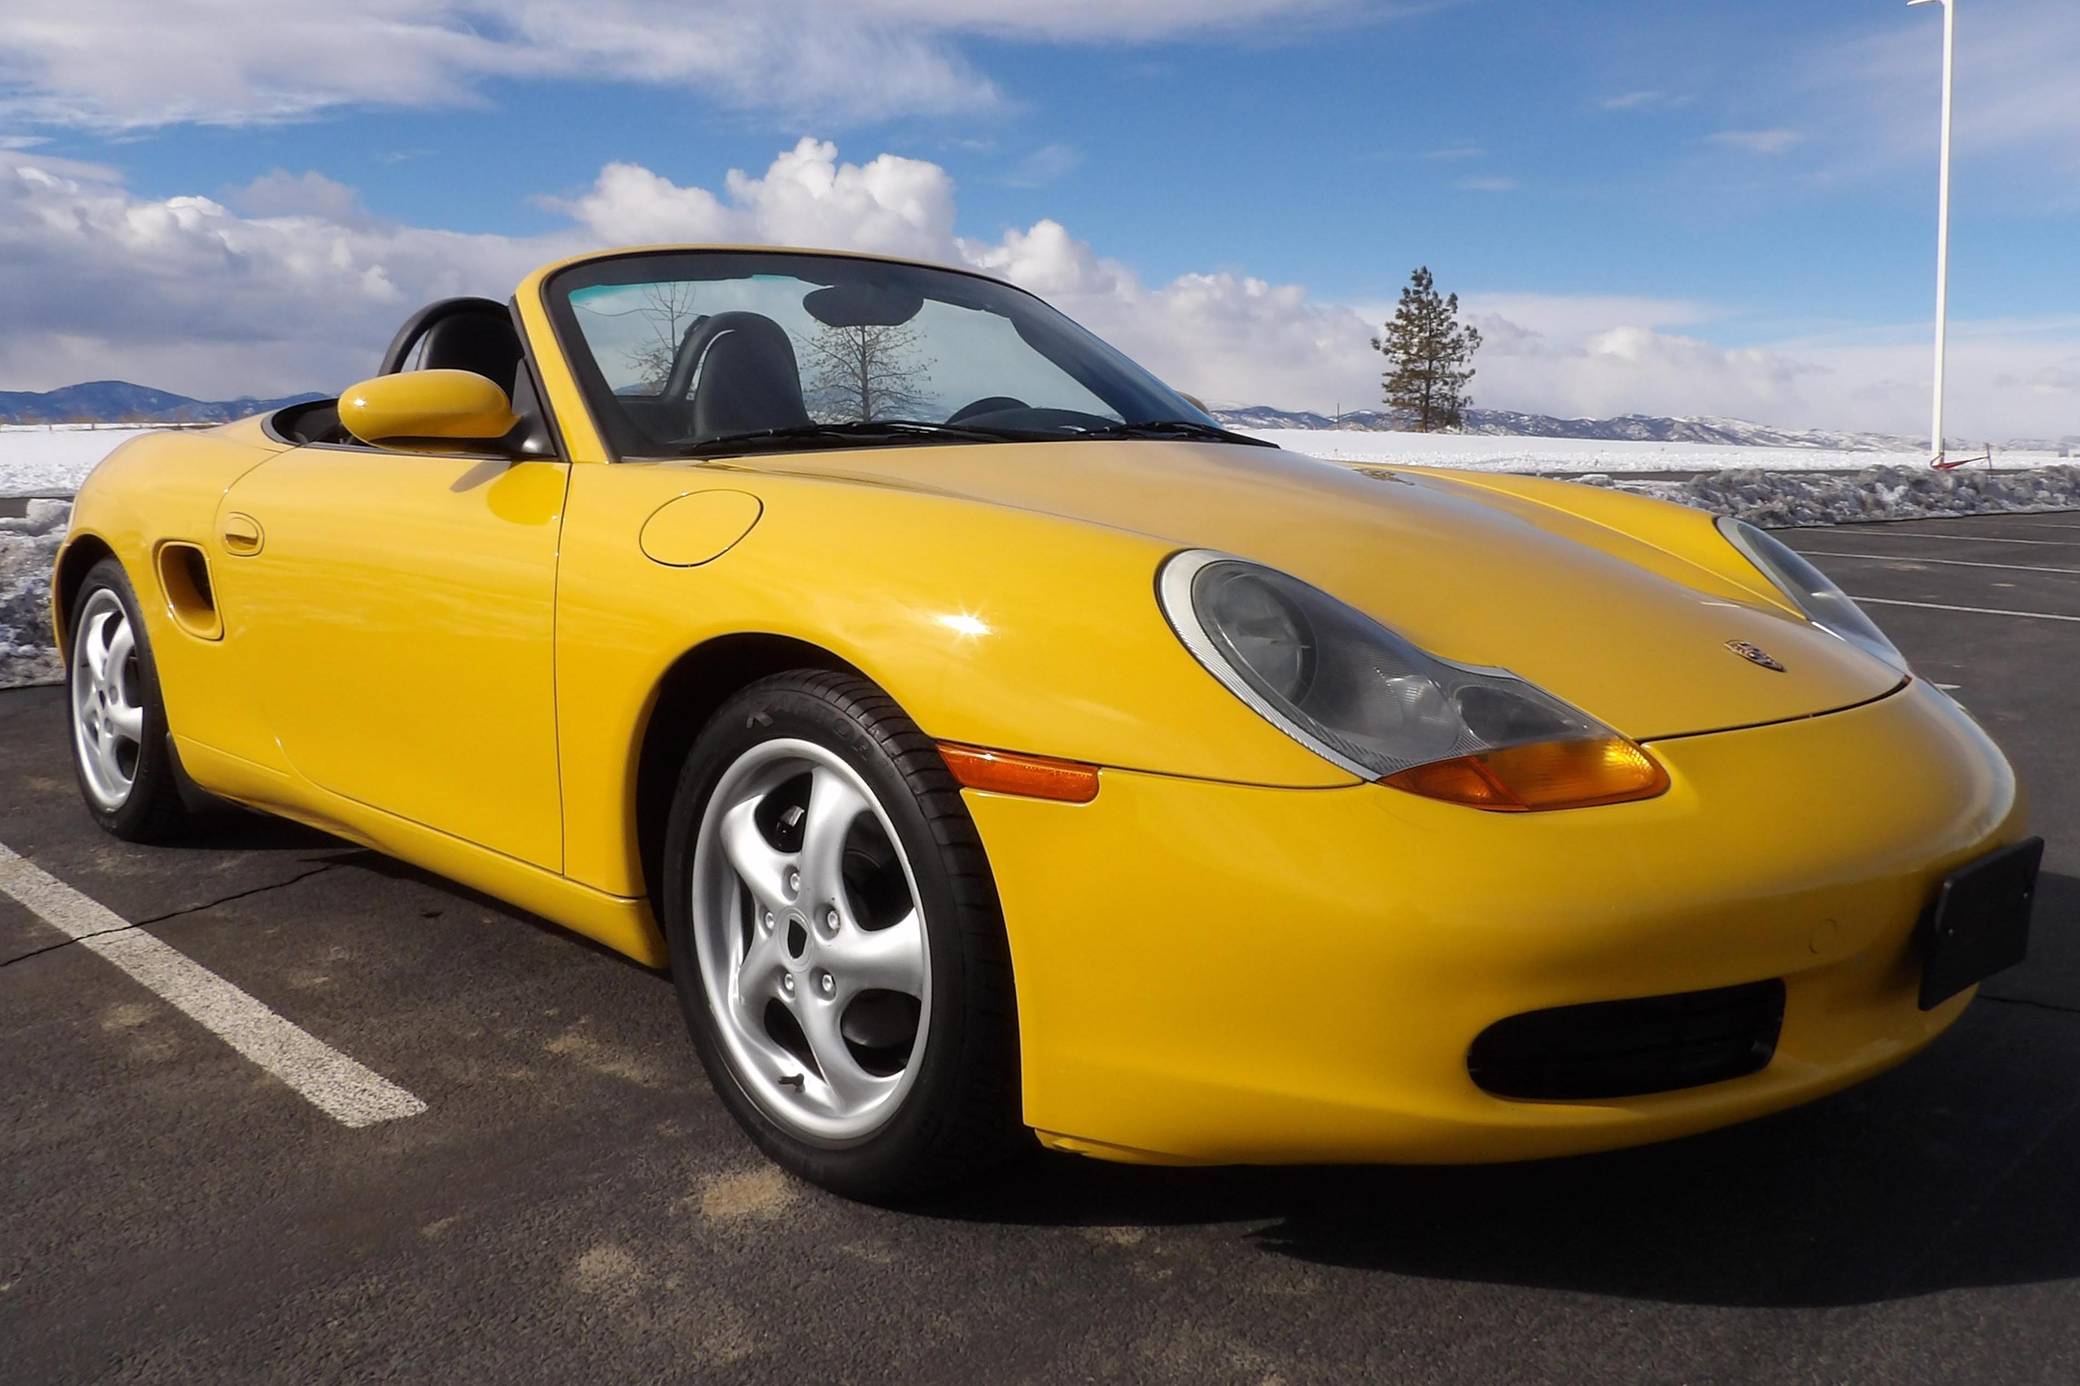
column 989, row 625
column 153, row 488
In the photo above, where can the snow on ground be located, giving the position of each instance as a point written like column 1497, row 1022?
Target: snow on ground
column 1490, row 452
column 28, row 546
column 37, row 461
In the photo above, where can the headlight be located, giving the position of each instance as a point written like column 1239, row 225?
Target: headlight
column 1361, row 696
column 1810, row 590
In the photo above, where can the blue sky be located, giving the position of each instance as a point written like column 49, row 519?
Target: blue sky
column 1668, row 207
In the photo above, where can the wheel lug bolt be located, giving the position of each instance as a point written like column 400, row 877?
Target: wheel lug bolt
column 826, row 984
column 765, row 921
column 830, row 919
column 794, row 882
column 787, row 983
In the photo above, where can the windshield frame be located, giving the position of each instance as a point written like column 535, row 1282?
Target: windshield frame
column 634, row 267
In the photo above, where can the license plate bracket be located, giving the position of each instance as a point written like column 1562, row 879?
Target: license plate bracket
column 1978, row 923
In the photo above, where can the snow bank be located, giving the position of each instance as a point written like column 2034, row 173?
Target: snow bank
column 1490, row 452
column 1775, row 499
column 28, row 547
column 39, row 461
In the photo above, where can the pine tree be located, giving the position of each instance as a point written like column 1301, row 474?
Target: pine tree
column 1428, row 355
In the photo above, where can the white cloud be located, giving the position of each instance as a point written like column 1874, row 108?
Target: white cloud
column 1776, row 140
column 117, row 64
column 1574, row 315
column 1596, row 356
column 1651, row 100
column 1486, row 184
column 1050, row 163
column 1456, row 151
column 807, row 197
column 1871, row 101
column 1083, row 20
column 279, row 193
column 1627, row 368
column 302, row 288
column 186, row 294
column 2016, row 89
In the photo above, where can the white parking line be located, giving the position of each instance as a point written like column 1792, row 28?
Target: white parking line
column 1953, row 562
column 330, row 1081
column 1975, row 610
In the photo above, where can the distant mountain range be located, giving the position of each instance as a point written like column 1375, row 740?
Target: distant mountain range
column 118, row 401
column 1641, row 428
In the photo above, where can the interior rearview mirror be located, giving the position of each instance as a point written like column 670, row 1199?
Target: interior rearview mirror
column 863, row 305
column 429, row 411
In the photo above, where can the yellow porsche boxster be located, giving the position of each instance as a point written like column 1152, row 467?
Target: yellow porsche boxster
column 991, row 743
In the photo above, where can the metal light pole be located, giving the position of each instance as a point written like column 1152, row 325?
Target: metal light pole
column 1935, row 430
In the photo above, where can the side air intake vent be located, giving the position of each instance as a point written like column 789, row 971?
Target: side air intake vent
column 190, row 599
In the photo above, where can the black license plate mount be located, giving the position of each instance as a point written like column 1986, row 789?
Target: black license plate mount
column 1978, row 923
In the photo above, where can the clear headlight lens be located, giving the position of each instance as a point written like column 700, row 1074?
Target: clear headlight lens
column 1361, row 696
column 1810, row 590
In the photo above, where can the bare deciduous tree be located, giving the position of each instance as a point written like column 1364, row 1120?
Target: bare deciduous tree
column 857, row 374
column 669, row 310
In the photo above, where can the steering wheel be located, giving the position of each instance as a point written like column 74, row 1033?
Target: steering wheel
column 989, row 404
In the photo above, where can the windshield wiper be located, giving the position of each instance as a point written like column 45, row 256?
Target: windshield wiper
column 1174, row 429
column 858, row 434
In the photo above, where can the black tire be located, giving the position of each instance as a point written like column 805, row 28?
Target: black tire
column 961, row 1114
column 154, row 810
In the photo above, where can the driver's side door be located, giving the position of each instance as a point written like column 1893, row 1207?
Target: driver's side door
column 393, row 613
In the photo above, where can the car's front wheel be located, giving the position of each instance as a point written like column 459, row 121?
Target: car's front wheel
column 127, row 773
column 836, row 941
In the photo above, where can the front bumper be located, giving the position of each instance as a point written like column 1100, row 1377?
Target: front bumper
column 1219, row 973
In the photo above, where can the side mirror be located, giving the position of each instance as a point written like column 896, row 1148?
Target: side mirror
column 1195, row 402
column 429, row 411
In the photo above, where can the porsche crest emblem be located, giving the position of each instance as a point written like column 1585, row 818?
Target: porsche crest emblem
column 1755, row 654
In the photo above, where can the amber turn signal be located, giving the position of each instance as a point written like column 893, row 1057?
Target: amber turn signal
column 1008, row 772
column 1543, row 775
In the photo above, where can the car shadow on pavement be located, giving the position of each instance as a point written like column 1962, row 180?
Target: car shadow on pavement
column 391, row 868
column 223, row 827
column 1954, row 1170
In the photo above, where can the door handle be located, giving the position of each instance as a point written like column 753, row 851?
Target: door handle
column 241, row 534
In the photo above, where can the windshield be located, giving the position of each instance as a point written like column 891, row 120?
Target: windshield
column 705, row 352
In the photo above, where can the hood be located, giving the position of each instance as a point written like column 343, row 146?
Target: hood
column 1464, row 575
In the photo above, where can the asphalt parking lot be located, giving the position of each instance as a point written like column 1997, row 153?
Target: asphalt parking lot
column 574, row 1204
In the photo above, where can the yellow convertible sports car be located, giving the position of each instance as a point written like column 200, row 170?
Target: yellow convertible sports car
column 989, row 742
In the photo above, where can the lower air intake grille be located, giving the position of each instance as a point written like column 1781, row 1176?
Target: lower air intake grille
column 1626, row 1048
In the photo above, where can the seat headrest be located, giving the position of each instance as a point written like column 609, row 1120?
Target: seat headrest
column 749, row 381
column 482, row 342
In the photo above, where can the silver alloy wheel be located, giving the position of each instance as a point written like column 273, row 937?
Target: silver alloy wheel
column 811, row 942
column 107, row 700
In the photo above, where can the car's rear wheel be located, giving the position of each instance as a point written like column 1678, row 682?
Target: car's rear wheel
column 127, row 774
column 836, row 941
